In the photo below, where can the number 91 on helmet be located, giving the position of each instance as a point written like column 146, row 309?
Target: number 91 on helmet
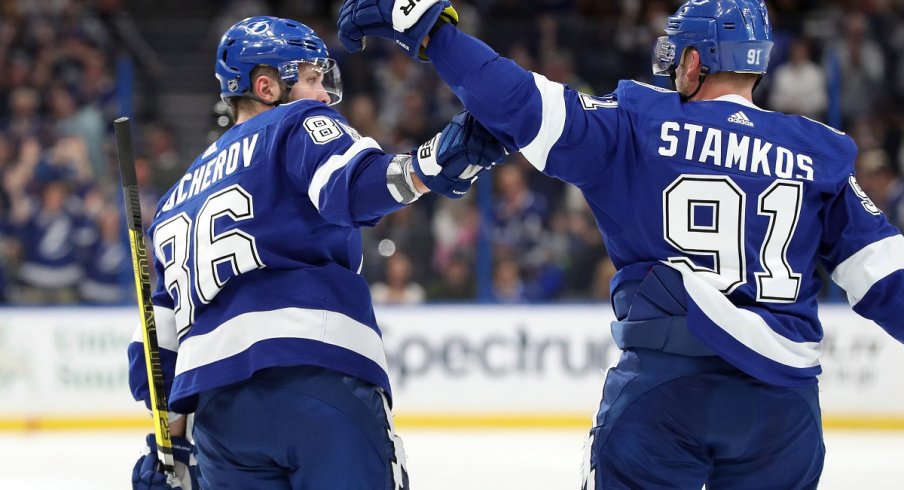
column 290, row 47
column 730, row 35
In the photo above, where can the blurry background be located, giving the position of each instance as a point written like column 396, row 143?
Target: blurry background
column 69, row 67
column 515, row 276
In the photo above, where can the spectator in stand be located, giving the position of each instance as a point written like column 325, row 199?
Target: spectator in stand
column 884, row 187
column 147, row 193
column 49, row 47
column 19, row 72
column 862, row 66
column 362, row 115
column 398, row 288
column 48, row 220
column 68, row 118
column 109, row 27
column 52, row 236
column 585, row 252
column 6, row 162
column 166, row 166
column 519, row 214
column 395, row 80
column 107, row 255
column 455, row 227
column 799, row 86
column 97, row 86
column 519, row 224
column 602, row 280
column 67, row 157
column 407, row 229
column 507, row 284
column 455, row 282
column 24, row 120
column 4, row 254
column 415, row 125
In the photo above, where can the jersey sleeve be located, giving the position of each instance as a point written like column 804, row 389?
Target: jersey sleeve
column 167, row 339
column 866, row 256
column 560, row 131
column 343, row 174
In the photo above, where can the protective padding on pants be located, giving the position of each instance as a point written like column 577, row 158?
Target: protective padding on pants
column 296, row 428
column 669, row 421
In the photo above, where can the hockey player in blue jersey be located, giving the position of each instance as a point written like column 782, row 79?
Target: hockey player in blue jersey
column 716, row 214
column 265, row 324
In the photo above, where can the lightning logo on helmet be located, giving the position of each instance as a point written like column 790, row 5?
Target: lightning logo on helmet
column 258, row 27
column 274, row 42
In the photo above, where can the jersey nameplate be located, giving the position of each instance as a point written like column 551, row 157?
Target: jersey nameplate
column 714, row 146
column 238, row 154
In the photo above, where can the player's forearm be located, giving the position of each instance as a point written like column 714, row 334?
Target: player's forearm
column 377, row 186
column 494, row 89
column 417, row 184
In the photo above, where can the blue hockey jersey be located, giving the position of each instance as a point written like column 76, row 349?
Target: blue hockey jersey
column 258, row 255
column 743, row 202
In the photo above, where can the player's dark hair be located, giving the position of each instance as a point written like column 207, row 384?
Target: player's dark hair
column 242, row 102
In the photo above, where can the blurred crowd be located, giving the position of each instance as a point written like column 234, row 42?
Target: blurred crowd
column 520, row 236
column 61, row 230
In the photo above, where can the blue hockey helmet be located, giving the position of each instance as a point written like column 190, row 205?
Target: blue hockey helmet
column 730, row 35
column 280, row 43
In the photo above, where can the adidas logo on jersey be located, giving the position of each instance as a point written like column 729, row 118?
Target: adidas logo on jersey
column 740, row 118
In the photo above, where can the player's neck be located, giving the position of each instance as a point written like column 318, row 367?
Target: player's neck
column 249, row 110
column 714, row 89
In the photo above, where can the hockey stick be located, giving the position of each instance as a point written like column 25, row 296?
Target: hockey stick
column 143, row 289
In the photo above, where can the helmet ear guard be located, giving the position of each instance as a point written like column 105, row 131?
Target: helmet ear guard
column 730, row 36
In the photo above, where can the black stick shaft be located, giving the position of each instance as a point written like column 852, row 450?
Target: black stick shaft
column 130, row 194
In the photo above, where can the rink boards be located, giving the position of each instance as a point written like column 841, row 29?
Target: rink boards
column 451, row 366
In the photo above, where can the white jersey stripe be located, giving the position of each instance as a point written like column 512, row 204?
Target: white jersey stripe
column 334, row 163
column 872, row 263
column 241, row 332
column 165, row 321
column 551, row 126
column 746, row 326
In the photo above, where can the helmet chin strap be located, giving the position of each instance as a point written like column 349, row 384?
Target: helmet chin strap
column 684, row 98
column 757, row 82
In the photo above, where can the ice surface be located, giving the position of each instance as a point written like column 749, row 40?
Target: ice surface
column 437, row 459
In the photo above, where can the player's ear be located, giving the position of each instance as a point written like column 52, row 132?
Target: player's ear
column 266, row 88
column 690, row 61
column 694, row 63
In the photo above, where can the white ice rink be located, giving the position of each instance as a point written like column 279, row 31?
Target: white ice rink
column 437, row 460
